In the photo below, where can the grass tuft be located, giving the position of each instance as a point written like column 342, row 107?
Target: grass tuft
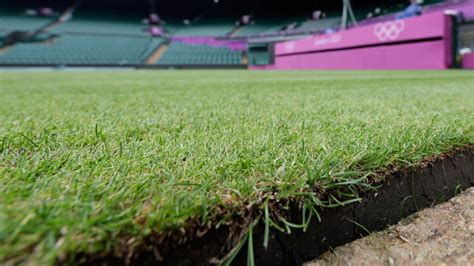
column 86, row 158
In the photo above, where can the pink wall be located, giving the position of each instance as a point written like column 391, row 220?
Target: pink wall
column 468, row 61
column 408, row 56
column 348, row 49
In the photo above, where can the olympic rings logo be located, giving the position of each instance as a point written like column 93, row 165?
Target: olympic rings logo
column 389, row 31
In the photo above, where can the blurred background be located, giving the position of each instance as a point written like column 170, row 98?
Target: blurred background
column 204, row 34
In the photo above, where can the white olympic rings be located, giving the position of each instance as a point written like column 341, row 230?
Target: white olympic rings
column 389, row 31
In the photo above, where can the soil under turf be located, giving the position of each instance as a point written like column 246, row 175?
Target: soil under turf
column 110, row 164
column 443, row 235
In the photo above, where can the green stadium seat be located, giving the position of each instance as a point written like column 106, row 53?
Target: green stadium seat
column 190, row 54
column 81, row 49
column 210, row 27
column 266, row 26
column 103, row 26
column 11, row 22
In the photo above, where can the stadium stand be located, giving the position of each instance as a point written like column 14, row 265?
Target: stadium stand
column 90, row 24
column 391, row 12
column 180, row 53
column 10, row 21
column 79, row 49
column 106, row 39
column 320, row 24
column 266, row 26
column 208, row 27
column 466, row 35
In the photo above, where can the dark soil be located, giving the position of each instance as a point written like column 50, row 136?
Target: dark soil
column 442, row 235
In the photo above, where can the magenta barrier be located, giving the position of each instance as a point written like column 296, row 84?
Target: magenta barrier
column 416, row 43
column 428, row 26
column 420, row 55
column 468, row 61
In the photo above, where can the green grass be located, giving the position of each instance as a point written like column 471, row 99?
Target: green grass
column 86, row 157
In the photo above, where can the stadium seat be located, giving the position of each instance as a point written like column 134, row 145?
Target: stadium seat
column 265, row 26
column 12, row 21
column 79, row 49
column 320, row 24
column 209, row 27
column 181, row 54
column 110, row 26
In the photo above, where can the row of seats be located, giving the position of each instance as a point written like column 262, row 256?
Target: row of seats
column 11, row 22
column 190, row 54
column 258, row 27
column 80, row 49
column 105, row 27
column 209, row 27
column 466, row 36
column 264, row 26
column 88, row 40
column 109, row 24
column 79, row 24
column 320, row 25
column 115, row 26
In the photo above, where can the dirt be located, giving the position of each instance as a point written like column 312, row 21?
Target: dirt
column 442, row 235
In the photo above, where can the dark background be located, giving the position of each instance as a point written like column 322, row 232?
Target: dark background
column 190, row 8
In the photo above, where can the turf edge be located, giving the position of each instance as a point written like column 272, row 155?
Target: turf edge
column 299, row 229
